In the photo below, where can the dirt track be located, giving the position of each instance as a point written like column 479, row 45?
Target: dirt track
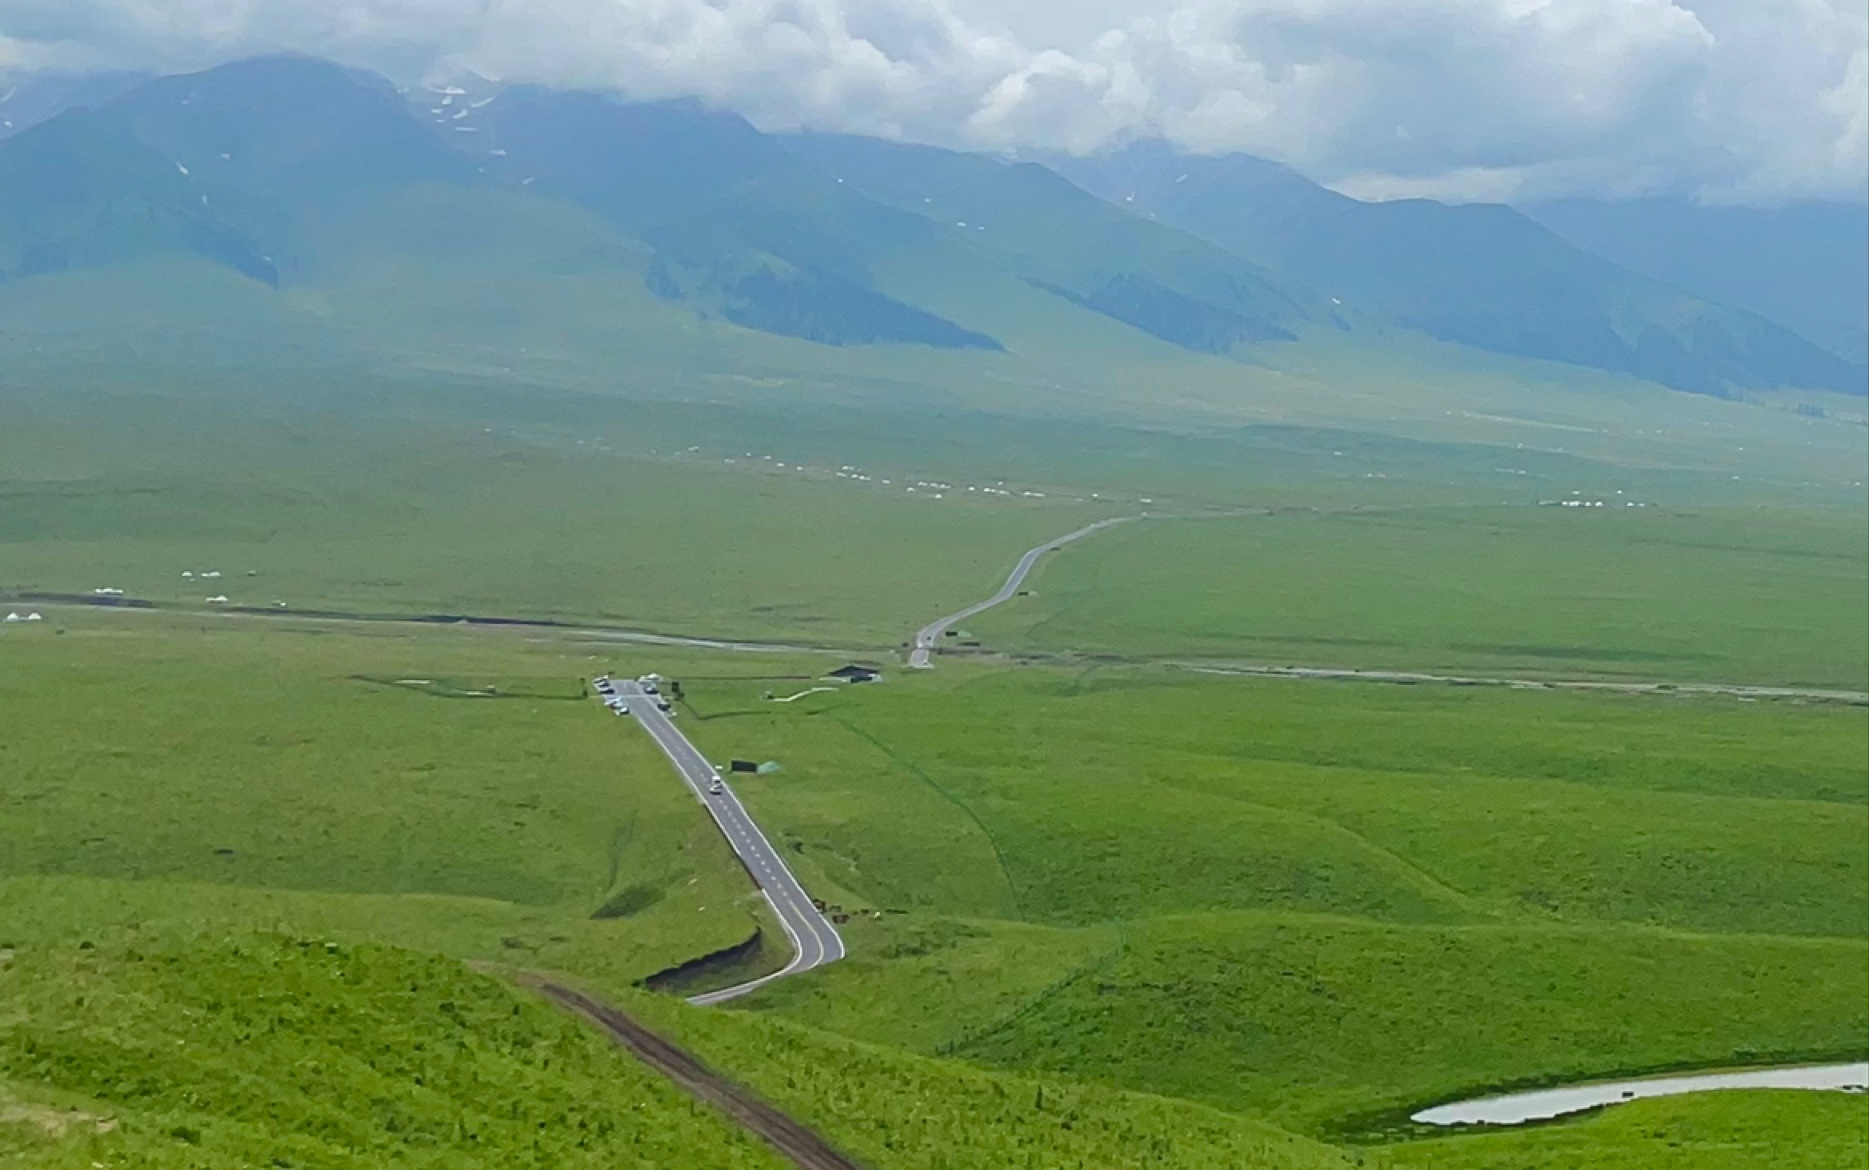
column 803, row 1147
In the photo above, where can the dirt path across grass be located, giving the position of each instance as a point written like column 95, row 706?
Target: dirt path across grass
column 793, row 1141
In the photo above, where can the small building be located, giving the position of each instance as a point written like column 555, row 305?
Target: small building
column 743, row 766
column 855, row 673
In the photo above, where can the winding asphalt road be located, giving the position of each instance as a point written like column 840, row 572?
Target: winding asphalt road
column 929, row 635
column 815, row 941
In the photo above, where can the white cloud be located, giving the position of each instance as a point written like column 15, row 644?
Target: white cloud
column 1735, row 99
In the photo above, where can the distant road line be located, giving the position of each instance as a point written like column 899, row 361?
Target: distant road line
column 1404, row 677
column 929, row 636
column 339, row 617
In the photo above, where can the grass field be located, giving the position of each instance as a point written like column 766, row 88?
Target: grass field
column 738, row 519
column 1760, row 595
column 1102, row 914
column 1460, row 888
column 1065, row 963
column 319, row 512
column 275, row 1051
column 161, row 772
column 194, row 974
column 1309, row 1021
column 958, row 1116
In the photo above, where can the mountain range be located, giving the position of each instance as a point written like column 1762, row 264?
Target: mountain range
column 289, row 204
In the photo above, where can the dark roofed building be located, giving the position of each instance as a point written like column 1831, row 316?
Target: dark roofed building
column 855, row 673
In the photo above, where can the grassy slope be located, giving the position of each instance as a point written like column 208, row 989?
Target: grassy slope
column 547, row 296
column 191, row 777
column 1130, row 792
column 1644, row 593
column 965, row 1117
column 1717, row 1131
column 1305, row 1021
column 1006, row 993
column 969, row 801
column 1525, row 858
column 117, row 961
column 271, row 1051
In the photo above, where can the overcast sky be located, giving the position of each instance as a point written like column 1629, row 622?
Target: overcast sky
column 1733, row 100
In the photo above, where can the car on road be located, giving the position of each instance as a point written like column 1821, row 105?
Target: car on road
column 716, row 788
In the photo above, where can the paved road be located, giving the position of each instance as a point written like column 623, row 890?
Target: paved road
column 1544, row 1104
column 1351, row 674
column 930, row 635
column 815, row 941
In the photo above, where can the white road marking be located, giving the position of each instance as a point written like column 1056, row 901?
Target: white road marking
column 777, row 884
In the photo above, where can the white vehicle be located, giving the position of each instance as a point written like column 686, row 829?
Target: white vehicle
column 716, row 788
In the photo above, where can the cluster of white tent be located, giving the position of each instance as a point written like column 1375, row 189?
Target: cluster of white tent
column 29, row 617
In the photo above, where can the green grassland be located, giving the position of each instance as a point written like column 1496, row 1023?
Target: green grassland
column 403, row 304
column 212, row 989
column 1759, row 595
column 958, row 1116
column 1715, row 1131
column 273, row 1051
column 356, row 494
column 282, row 1051
column 1111, row 879
column 1309, row 1021
column 1129, row 791
column 419, row 519
column 1460, row 888
column 183, row 777
column 1101, row 913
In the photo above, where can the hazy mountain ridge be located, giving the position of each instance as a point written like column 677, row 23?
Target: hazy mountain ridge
column 27, row 100
column 84, row 193
column 1164, row 282
column 1804, row 266
column 739, row 227
column 1483, row 275
column 297, row 174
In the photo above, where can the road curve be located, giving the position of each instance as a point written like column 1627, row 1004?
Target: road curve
column 1545, row 1104
column 815, row 941
column 929, row 636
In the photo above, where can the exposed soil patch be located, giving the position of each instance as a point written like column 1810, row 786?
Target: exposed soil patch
column 53, row 1123
column 722, row 968
column 801, row 1146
